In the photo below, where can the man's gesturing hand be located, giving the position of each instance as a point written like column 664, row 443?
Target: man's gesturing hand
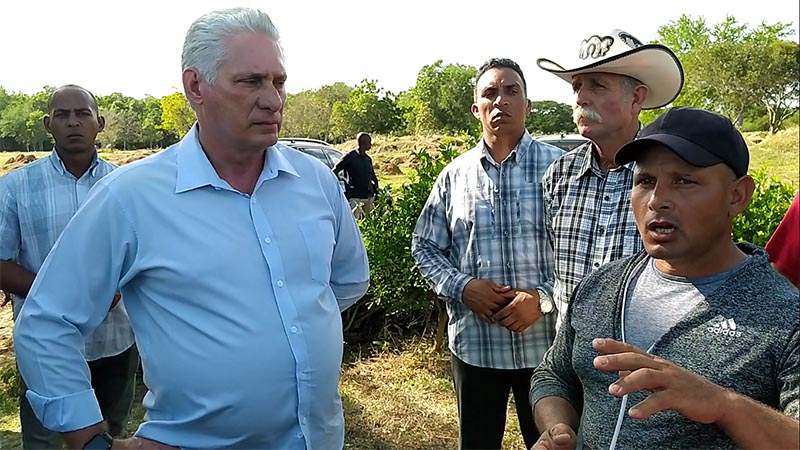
column 484, row 298
column 672, row 387
column 558, row 437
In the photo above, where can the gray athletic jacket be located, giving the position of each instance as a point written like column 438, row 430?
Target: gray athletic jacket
column 746, row 337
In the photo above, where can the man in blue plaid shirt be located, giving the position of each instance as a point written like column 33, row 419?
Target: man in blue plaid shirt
column 481, row 243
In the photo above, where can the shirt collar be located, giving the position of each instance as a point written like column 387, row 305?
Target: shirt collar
column 195, row 170
column 589, row 163
column 517, row 153
column 58, row 164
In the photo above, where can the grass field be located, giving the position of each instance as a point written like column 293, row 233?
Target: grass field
column 400, row 398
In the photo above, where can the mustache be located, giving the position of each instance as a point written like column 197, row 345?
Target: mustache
column 586, row 113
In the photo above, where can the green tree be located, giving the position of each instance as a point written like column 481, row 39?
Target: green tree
column 368, row 108
column 440, row 100
column 124, row 116
column 308, row 113
column 123, row 128
column 735, row 70
column 176, row 114
column 23, row 121
column 152, row 134
column 549, row 117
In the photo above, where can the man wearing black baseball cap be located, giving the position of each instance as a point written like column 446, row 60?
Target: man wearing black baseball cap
column 721, row 327
column 699, row 137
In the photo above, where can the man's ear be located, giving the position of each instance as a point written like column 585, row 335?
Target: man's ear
column 101, row 123
column 46, row 121
column 740, row 194
column 191, row 86
column 639, row 97
column 475, row 112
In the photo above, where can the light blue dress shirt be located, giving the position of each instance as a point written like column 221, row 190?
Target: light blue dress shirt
column 234, row 299
column 36, row 203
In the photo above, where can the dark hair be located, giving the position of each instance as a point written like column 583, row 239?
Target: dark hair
column 502, row 63
column 76, row 87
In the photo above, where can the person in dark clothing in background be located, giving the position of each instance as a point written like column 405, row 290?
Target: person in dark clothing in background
column 361, row 184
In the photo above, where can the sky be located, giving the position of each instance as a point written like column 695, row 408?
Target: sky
column 134, row 47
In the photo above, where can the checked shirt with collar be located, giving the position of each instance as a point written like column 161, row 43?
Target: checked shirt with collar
column 485, row 220
column 589, row 218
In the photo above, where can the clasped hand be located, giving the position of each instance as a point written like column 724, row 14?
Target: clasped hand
column 514, row 309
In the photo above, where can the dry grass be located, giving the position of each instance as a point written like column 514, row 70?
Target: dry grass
column 777, row 153
column 403, row 399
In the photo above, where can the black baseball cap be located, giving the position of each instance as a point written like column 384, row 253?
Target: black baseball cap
column 701, row 138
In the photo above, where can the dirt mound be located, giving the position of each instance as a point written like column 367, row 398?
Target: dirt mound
column 17, row 161
column 121, row 158
column 391, row 169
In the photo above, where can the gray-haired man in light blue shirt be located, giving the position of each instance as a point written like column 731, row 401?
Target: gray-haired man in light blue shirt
column 235, row 256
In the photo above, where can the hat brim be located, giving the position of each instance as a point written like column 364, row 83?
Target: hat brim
column 653, row 64
column 685, row 149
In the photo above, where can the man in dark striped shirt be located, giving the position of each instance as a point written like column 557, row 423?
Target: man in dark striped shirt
column 587, row 196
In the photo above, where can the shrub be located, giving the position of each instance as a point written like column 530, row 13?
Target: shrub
column 771, row 199
column 399, row 298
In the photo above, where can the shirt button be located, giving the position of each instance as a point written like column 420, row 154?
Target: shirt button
column 299, row 435
column 294, row 330
column 505, row 233
column 280, row 283
column 504, row 203
column 602, row 230
column 597, row 264
column 606, row 198
column 267, row 240
column 508, row 264
column 304, row 420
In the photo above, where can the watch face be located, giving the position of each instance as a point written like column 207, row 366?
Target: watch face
column 546, row 306
column 100, row 442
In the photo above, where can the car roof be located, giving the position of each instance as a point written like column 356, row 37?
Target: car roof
column 561, row 137
column 304, row 141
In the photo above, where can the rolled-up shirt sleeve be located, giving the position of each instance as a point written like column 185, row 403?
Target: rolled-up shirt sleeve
column 69, row 298
column 430, row 246
column 349, row 265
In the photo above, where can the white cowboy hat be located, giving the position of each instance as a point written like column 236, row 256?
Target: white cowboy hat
column 620, row 53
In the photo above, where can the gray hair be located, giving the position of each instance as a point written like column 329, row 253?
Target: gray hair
column 629, row 84
column 204, row 46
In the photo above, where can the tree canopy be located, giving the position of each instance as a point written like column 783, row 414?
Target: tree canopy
column 750, row 74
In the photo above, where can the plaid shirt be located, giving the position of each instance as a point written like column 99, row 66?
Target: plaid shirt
column 36, row 203
column 589, row 218
column 486, row 220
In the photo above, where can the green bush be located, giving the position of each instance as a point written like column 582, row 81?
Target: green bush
column 398, row 298
column 771, row 199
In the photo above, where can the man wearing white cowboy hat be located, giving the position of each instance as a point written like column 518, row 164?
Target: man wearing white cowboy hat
column 587, row 196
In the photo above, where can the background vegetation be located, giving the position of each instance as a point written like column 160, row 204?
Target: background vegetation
column 749, row 74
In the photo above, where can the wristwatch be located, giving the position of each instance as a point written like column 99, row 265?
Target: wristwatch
column 546, row 304
column 102, row 441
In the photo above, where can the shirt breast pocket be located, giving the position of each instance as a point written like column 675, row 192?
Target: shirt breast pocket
column 319, row 242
